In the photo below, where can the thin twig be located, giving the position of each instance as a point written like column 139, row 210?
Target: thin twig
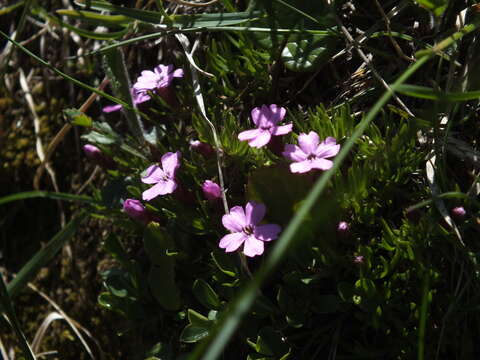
column 392, row 40
column 61, row 135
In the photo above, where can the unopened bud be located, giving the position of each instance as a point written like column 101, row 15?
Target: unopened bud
column 211, row 190
column 98, row 157
column 458, row 213
column 202, row 148
column 135, row 209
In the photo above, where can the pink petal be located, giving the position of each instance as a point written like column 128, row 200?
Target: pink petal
column 171, row 162
column 154, row 175
column 322, row 164
column 145, row 85
column 111, row 108
column 267, row 232
column 330, row 141
column 301, row 167
column 140, row 97
column 254, row 212
column 327, row 150
column 261, row 140
column 162, row 188
column 249, row 134
column 178, row 73
column 257, row 114
column 308, row 143
column 253, row 246
column 294, row 153
column 235, row 220
column 282, row 130
column 277, row 113
column 162, row 70
column 232, row 242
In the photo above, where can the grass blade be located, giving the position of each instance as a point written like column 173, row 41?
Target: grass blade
column 47, row 195
column 424, row 92
column 7, row 306
column 44, row 255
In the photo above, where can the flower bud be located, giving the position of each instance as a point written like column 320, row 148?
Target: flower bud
column 359, row 259
column 343, row 229
column 135, row 209
column 202, row 148
column 211, row 190
column 458, row 213
column 98, row 157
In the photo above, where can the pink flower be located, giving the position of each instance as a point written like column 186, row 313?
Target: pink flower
column 211, row 190
column 266, row 119
column 163, row 177
column 311, row 154
column 137, row 98
column 245, row 229
column 458, row 212
column 160, row 77
column 135, row 209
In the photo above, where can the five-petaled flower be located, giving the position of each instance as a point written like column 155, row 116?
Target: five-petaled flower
column 266, row 119
column 245, row 229
column 311, row 153
column 160, row 77
column 163, row 177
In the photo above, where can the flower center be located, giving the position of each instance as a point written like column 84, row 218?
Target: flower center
column 248, row 230
column 311, row 157
column 265, row 127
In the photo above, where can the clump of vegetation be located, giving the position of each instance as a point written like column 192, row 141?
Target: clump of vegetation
column 267, row 179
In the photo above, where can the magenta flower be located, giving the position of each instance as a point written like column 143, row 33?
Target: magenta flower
column 458, row 212
column 211, row 190
column 160, row 77
column 245, row 229
column 163, row 177
column 135, row 209
column 266, row 119
column 137, row 98
column 311, row 154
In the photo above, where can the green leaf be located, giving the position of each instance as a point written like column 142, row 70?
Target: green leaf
column 44, row 255
column 269, row 342
column 89, row 34
column 192, row 334
column 423, row 92
column 307, row 54
column 206, row 295
column 224, row 263
column 95, row 18
column 76, row 117
column 120, row 81
column 264, row 185
column 435, row 6
column 161, row 277
column 198, row 328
